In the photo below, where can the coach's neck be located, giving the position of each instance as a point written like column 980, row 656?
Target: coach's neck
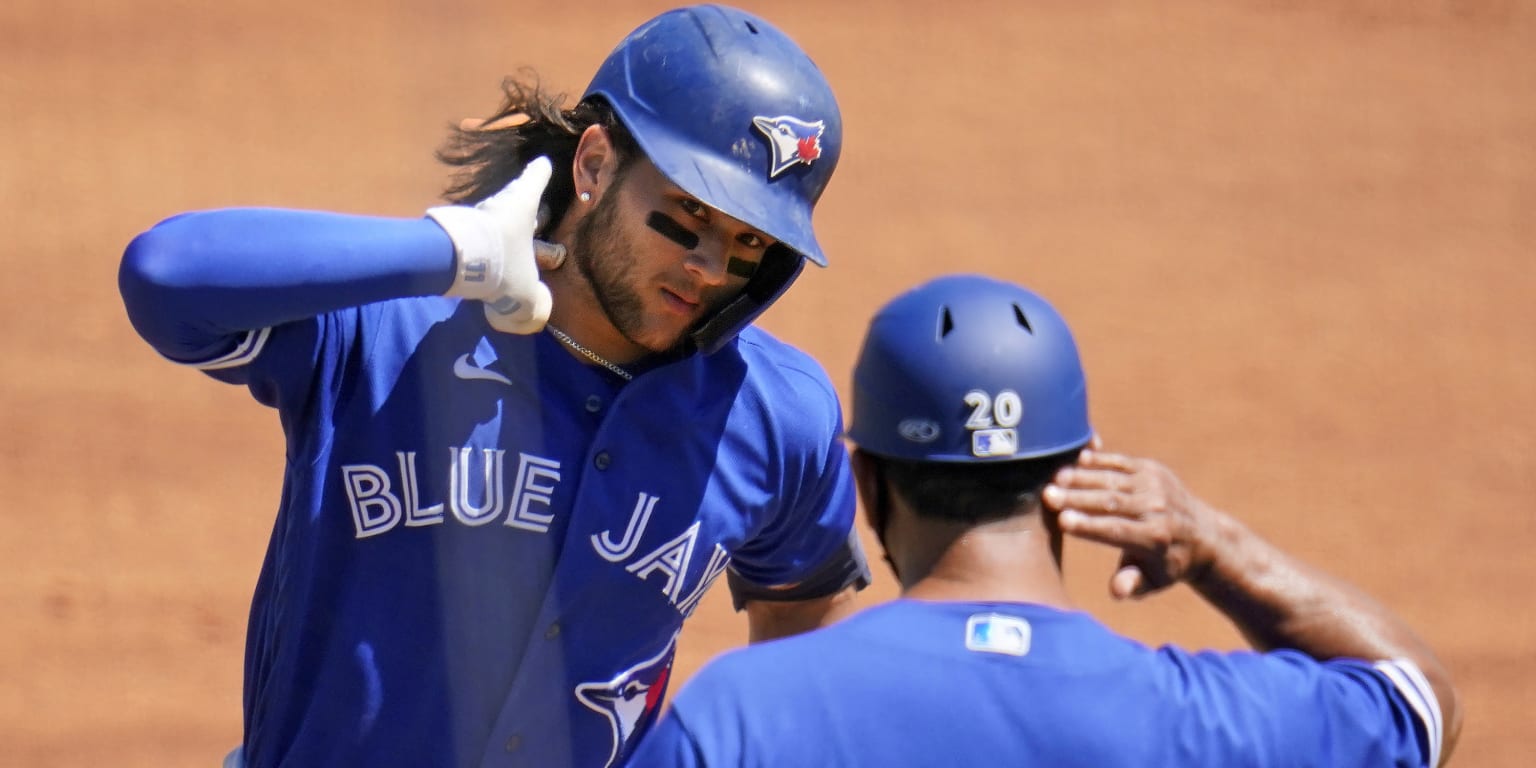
column 1015, row 559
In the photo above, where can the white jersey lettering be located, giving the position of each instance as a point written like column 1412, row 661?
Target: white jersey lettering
column 415, row 514
column 476, row 480
column 465, row 509
column 529, row 490
column 626, row 546
column 374, row 508
column 671, row 559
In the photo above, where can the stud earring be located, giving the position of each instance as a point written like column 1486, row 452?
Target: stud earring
column 586, row 197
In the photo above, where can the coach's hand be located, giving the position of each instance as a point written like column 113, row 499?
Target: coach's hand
column 497, row 257
column 1141, row 507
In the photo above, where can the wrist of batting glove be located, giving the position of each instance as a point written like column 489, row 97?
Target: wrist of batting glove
column 495, row 252
column 478, row 252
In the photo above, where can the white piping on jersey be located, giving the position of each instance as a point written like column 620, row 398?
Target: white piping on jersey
column 1410, row 681
column 244, row 352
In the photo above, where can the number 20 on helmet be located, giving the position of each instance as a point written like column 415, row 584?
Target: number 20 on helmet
column 966, row 368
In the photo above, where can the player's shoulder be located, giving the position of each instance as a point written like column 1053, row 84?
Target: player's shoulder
column 772, row 362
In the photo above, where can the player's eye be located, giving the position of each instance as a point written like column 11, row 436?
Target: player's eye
column 693, row 208
column 752, row 240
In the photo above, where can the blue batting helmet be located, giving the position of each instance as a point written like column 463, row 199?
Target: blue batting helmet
column 965, row 368
column 731, row 110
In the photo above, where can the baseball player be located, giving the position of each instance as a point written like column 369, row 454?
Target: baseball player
column 969, row 405
column 527, row 431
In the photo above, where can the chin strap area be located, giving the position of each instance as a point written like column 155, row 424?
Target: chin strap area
column 779, row 268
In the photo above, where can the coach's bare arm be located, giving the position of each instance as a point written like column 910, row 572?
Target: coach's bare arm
column 770, row 620
column 1167, row 535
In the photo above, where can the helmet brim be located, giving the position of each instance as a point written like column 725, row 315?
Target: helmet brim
column 734, row 189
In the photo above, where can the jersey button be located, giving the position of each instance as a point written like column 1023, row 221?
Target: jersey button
column 515, row 743
column 602, row 460
column 594, row 404
column 553, row 631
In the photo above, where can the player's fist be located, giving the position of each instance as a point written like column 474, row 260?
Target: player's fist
column 497, row 258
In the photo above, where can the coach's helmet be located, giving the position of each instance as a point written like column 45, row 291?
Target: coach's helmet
column 731, row 110
column 966, row 368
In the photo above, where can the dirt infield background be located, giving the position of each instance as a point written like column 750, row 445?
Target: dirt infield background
column 1296, row 240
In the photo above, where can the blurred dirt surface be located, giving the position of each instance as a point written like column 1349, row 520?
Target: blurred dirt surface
column 1295, row 240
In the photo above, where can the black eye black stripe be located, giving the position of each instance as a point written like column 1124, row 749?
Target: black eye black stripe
column 670, row 229
column 740, row 267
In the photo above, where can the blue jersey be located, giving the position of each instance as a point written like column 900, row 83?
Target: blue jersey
column 484, row 548
column 943, row 684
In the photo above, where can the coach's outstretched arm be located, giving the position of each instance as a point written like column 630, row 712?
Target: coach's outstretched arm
column 1168, row 535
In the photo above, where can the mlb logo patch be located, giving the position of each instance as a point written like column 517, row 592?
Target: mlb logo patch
column 1003, row 441
column 997, row 633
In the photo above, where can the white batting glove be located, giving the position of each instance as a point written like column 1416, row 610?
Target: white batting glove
column 496, row 256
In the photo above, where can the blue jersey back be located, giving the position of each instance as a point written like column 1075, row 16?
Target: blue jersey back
column 944, row 684
column 485, row 548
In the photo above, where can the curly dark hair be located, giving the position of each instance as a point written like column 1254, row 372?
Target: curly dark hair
column 530, row 122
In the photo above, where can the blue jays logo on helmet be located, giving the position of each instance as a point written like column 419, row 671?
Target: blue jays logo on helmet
column 630, row 699
column 695, row 85
column 794, row 141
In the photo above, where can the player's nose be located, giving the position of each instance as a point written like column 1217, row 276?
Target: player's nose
column 708, row 261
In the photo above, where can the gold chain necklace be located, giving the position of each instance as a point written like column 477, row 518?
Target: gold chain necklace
column 589, row 354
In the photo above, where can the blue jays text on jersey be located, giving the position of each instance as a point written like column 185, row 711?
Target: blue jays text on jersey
column 484, row 547
column 916, row 683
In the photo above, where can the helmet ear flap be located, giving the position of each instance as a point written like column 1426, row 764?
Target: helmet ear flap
column 779, row 267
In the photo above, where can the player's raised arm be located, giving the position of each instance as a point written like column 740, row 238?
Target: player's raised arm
column 1168, row 535
column 193, row 281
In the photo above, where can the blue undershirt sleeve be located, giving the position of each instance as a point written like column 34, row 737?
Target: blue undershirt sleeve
column 196, row 283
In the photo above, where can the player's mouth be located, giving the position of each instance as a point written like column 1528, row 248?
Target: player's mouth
column 678, row 303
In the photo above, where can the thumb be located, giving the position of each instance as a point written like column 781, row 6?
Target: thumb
column 1127, row 582
column 549, row 255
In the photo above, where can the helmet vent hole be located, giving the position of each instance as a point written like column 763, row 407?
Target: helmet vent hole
column 946, row 323
column 751, row 27
column 1018, row 314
